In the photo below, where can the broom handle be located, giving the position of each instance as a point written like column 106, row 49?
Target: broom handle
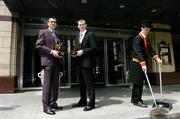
column 160, row 80
column 150, row 88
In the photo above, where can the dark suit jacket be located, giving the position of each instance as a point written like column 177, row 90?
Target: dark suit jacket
column 44, row 44
column 88, row 45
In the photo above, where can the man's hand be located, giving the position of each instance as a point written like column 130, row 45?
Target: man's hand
column 159, row 61
column 144, row 68
column 73, row 55
column 79, row 52
column 55, row 54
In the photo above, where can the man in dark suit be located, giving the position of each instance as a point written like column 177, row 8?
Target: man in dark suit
column 84, row 57
column 141, row 50
column 50, row 60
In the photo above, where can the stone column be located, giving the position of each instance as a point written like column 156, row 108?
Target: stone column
column 9, row 34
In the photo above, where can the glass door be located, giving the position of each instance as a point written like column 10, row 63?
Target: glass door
column 99, row 63
column 32, row 65
column 116, row 57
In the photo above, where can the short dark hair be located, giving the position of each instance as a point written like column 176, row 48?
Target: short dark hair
column 52, row 18
column 146, row 23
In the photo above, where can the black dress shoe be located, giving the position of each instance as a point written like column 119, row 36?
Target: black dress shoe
column 88, row 108
column 78, row 105
column 140, row 104
column 49, row 111
column 56, row 107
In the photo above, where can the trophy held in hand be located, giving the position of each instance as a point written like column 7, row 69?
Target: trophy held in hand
column 76, row 47
column 58, row 47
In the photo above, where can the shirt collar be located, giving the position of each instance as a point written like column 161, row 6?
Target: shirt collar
column 143, row 35
column 83, row 32
column 50, row 29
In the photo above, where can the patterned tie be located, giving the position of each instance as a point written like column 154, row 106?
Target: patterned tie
column 55, row 37
column 80, row 37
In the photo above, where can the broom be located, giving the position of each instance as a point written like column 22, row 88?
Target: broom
column 157, row 110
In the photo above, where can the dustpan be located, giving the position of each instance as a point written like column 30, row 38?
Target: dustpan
column 157, row 108
column 161, row 103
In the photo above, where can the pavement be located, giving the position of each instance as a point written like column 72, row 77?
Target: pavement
column 111, row 103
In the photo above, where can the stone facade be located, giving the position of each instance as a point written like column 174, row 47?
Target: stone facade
column 9, row 36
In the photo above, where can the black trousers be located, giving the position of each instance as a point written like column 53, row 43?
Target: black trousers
column 86, row 85
column 136, row 93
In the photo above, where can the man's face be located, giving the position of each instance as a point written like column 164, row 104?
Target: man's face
column 82, row 26
column 52, row 23
column 146, row 30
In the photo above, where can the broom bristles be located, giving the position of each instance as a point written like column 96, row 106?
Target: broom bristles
column 158, row 111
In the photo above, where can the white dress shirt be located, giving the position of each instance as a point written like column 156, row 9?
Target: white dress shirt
column 81, row 36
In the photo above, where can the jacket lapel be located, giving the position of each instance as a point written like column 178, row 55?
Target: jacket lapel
column 51, row 36
column 85, row 37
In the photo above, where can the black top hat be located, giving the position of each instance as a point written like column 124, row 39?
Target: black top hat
column 146, row 23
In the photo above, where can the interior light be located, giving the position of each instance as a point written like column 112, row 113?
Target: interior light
column 122, row 6
column 154, row 10
column 83, row 1
column 107, row 24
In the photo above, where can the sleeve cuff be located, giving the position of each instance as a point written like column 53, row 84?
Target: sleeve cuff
column 156, row 57
column 143, row 63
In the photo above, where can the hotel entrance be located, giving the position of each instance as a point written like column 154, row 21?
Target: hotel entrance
column 110, row 62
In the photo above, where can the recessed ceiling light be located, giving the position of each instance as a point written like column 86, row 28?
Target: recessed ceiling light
column 83, row 1
column 154, row 10
column 107, row 24
column 122, row 6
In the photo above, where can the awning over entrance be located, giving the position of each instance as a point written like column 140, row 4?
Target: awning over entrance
column 105, row 13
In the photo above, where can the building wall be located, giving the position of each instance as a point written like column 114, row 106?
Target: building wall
column 9, row 35
column 164, row 37
column 10, row 40
column 5, row 39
